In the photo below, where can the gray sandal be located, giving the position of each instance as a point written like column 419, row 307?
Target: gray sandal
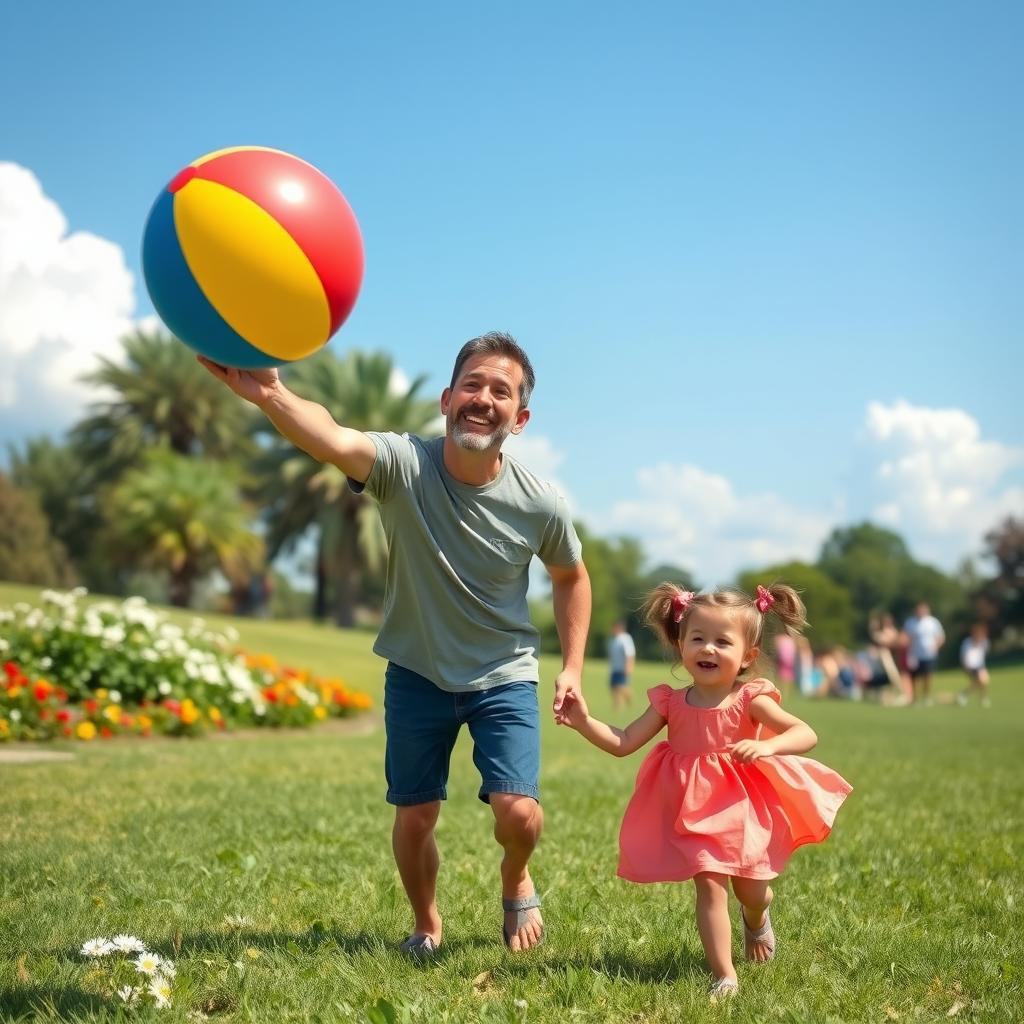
column 765, row 936
column 723, row 988
column 419, row 947
column 520, row 908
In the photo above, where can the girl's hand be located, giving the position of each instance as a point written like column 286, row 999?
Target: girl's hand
column 747, row 751
column 574, row 711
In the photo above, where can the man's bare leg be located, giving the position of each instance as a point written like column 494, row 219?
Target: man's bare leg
column 517, row 826
column 412, row 840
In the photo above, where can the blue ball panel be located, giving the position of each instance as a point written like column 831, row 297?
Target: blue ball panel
column 180, row 301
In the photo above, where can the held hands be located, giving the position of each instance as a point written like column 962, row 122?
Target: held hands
column 568, row 689
column 747, row 751
column 574, row 712
column 256, row 386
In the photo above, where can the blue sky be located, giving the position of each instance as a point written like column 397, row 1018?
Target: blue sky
column 766, row 258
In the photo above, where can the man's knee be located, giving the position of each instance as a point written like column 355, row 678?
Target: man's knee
column 417, row 819
column 516, row 817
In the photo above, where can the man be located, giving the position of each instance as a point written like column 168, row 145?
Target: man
column 621, row 659
column 463, row 522
column 924, row 636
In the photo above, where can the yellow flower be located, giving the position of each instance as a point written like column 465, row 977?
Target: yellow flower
column 215, row 715
column 145, row 722
column 13, row 692
column 112, row 713
column 5, row 729
column 85, row 730
column 320, row 712
column 189, row 712
column 101, row 694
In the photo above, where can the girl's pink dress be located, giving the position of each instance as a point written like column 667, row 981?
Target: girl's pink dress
column 696, row 809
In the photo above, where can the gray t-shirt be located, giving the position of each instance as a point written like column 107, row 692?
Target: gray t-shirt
column 455, row 606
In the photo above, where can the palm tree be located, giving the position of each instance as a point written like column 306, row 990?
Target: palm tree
column 182, row 515
column 160, row 395
column 359, row 391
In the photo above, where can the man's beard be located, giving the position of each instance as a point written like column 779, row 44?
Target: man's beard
column 472, row 441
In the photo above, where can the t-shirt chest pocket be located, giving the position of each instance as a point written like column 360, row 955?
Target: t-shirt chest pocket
column 512, row 556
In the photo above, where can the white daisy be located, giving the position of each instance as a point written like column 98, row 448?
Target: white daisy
column 97, row 947
column 167, row 969
column 147, row 963
column 237, row 921
column 128, row 994
column 160, row 990
column 128, row 944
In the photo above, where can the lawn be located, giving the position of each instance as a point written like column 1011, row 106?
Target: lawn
column 262, row 866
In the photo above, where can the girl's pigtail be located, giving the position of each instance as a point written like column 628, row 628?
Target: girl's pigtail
column 659, row 612
column 786, row 604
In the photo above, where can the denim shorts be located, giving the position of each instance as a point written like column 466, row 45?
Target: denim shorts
column 422, row 722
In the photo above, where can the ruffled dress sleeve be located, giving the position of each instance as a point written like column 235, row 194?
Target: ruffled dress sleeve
column 659, row 696
column 760, row 688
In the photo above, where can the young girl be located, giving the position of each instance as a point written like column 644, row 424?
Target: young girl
column 723, row 798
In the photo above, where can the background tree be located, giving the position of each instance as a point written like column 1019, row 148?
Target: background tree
column 182, row 516
column 299, row 493
column 160, row 395
column 28, row 552
column 999, row 600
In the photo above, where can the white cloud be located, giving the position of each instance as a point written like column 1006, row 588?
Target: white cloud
column 939, row 482
column 64, row 300
column 695, row 519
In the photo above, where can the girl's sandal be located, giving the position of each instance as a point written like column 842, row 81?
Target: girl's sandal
column 723, row 988
column 763, row 936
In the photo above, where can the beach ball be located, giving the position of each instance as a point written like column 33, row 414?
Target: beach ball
column 252, row 257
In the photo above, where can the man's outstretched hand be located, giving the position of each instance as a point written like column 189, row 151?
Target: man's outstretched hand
column 256, row 386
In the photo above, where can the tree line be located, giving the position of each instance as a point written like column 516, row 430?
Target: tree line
column 169, row 475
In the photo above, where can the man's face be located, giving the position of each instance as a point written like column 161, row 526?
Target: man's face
column 482, row 408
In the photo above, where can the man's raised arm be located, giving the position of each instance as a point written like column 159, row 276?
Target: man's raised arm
column 307, row 425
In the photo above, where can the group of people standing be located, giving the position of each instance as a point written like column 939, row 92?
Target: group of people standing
column 724, row 800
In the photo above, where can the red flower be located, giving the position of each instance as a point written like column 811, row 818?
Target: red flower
column 106, row 732
column 11, row 669
column 91, row 707
column 63, row 715
column 66, row 730
column 44, row 714
column 41, row 692
column 62, row 695
column 173, row 706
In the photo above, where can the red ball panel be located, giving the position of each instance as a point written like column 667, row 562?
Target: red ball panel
column 309, row 207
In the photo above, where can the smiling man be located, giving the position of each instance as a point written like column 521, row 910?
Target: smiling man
column 463, row 522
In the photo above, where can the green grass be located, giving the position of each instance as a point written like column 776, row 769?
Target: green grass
column 910, row 911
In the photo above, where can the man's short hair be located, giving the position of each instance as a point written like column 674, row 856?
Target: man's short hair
column 498, row 343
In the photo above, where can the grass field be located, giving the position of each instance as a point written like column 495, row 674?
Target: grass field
column 911, row 911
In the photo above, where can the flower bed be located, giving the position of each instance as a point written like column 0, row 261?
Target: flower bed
column 82, row 671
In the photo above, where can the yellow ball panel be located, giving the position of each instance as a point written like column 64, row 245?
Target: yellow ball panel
column 251, row 270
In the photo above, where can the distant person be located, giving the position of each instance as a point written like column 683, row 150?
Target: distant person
column 973, row 652
column 925, row 638
column 621, row 660
column 785, row 660
column 885, row 634
column 723, row 800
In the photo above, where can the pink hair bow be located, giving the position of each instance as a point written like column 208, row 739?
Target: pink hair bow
column 764, row 599
column 680, row 602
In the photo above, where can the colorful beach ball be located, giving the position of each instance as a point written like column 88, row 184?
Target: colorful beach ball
column 252, row 257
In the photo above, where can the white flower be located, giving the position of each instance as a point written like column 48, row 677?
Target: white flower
column 147, row 963
column 237, row 921
column 94, row 947
column 167, row 969
column 114, row 696
column 520, row 1004
column 164, row 687
column 128, row 944
column 15, row 715
column 160, row 990
column 128, row 994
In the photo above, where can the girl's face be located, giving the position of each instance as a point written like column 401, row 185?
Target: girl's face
column 714, row 648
